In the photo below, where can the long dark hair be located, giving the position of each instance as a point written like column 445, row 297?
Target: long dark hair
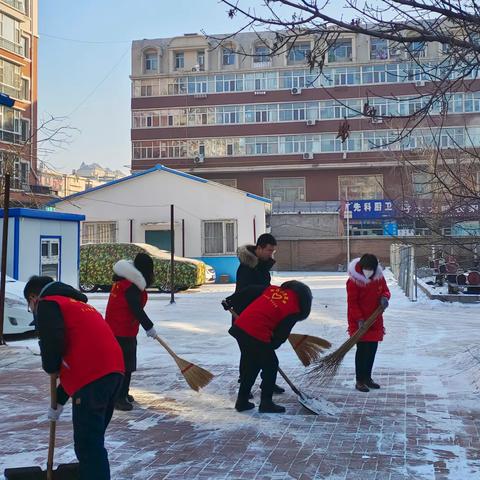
column 144, row 263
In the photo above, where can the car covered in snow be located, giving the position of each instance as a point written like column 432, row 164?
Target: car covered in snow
column 97, row 260
column 17, row 318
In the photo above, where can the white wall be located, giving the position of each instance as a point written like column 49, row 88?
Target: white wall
column 10, row 239
column 31, row 229
column 147, row 198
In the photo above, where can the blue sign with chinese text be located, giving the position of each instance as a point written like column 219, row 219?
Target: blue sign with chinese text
column 361, row 209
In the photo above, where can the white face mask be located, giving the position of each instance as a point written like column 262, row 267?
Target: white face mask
column 368, row 273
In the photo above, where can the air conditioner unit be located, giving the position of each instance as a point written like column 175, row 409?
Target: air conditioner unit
column 295, row 91
column 420, row 83
column 259, row 92
column 311, row 122
column 377, row 120
column 344, row 156
column 308, row 156
column 199, row 159
column 200, row 95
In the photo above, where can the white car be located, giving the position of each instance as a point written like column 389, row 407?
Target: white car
column 210, row 275
column 17, row 318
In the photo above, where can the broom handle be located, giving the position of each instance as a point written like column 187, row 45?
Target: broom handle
column 166, row 347
column 51, row 441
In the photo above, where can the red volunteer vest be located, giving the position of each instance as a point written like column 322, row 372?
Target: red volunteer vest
column 118, row 314
column 264, row 314
column 91, row 350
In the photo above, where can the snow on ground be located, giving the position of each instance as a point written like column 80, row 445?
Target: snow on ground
column 428, row 365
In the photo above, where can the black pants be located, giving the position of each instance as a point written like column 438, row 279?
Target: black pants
column 364, row 358
column 129, row 350
column 257, row 357
column 92, row 409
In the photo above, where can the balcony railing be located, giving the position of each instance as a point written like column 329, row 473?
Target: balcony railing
column 11, row 46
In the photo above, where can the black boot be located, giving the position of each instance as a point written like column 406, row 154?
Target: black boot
column 130, row 398
column 243, row 404
column 123, row 404
column 361, row 387
column 268, row 406
column 371, row 384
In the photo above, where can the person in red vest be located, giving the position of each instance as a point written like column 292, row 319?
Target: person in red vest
column 77, row 344
column 266, row 318
column 366, row 290
column 125, row 313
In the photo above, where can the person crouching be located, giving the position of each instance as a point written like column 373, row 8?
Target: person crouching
column 266, row 318
column 125, row 313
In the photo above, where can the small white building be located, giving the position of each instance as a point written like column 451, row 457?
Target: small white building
column 43, row 243
column 211, row 219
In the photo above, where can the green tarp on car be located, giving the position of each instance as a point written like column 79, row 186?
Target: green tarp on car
column 97, row 260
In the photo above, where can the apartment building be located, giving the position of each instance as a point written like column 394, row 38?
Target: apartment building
column 18, row 94
column 269, row 125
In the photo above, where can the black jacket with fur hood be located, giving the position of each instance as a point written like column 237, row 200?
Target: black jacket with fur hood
column 252, row 270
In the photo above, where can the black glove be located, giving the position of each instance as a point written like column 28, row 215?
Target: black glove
column 226, row 305
column 384, row 302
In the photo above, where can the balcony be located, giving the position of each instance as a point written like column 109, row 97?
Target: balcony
column 10, row 46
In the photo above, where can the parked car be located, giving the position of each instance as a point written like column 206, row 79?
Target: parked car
column 16, row 319
column 97, row 260
column 210, row 275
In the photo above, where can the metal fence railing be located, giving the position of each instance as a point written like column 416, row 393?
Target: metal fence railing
column 402, row 264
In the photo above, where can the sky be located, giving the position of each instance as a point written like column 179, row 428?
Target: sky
column 84, row 65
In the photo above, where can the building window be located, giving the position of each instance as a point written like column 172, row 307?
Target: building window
column 422, row 185
column 26, row 47
column 25, row 89
column 228, row 56
column 50, row 257
column 201, row 60
column 151, row 61
column 417, row 49
column 219, row 237
column 360, row 187
column 284, row 189
column 10, row 34
column 378, row 49
column 261, row 54
column 10, row 78
column 340, row 51
column 229, row 182
column 25, row 130
column 99, row 232
column 299, row 52
column 179, row 60
column 229, row 149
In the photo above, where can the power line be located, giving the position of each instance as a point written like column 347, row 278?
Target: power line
column 100, row 83
column 90, row 42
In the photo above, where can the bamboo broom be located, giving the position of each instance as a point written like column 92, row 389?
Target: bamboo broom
column 196, row 377
column 326, row 368
column 307, row 347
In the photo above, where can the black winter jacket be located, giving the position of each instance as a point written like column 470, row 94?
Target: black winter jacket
column 252, row 270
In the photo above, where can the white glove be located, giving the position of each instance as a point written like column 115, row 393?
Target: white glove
column 53, row 415
column 152, row 333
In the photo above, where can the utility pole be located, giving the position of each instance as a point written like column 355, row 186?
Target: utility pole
column 3, row 271
column 347, row 212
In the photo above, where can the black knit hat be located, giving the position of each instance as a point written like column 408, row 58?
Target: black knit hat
column 144, row 264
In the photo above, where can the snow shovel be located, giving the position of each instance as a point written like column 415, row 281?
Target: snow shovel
column 308, row 402
column 68, row 471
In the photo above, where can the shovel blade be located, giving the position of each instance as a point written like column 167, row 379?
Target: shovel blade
column 66, row 471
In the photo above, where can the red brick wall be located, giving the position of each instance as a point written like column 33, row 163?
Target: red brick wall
column 326, row 255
